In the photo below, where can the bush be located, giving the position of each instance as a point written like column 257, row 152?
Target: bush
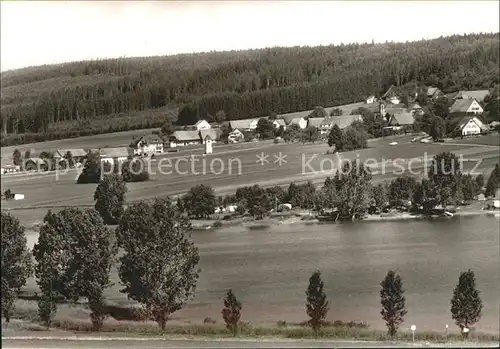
column 209, row 320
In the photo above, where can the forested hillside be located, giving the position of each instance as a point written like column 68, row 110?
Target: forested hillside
column 82, row 98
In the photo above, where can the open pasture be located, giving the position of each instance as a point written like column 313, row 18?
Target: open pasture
column 116, row 139
column 227, row 169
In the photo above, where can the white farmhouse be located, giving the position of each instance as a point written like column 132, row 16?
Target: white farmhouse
column 148, row 145
column 466, row 106
column 471, row 125
column 202, row 125
column 113, row 155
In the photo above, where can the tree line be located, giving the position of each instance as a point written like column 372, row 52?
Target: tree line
column 244, row 84
column 349, row 195
column 158, row 269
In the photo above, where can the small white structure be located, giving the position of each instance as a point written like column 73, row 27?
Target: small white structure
column 371, row 99
column 208, row 144
column 10, row 169
column 113, row 155
column 279, row 123
column 301, row 122
column 202, row 125
column 231, row 208
column 18, row 196
column 285, row 207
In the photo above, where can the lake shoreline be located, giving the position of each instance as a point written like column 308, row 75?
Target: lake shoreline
column 301, row 217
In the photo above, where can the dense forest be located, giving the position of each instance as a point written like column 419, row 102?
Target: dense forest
column 82, row 98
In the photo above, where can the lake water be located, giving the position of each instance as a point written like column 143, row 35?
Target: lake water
column 269, row 269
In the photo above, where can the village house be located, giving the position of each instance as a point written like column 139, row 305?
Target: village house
column 301, row 122
column 148, row 145
column 198, row 126
column 236, row 136
column 466, row 106
column 114, row 155
column 244, row 124
column 77, row 154
column 371, row 99
column 10, row 169
column 478, row 95
column 314, row 122
column 417, row 109
column 391, row 96
column 35, row 164
column 401, row 120
column 387, row 110
column 202, row 125
column 213, row 134
column 345, row 121
column 183, row 138
column 326, row 125
column 279, row 123
column 470, row 125
column 434, row 93
column 288, row 117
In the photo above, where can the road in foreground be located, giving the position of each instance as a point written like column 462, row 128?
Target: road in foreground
column 150, row 343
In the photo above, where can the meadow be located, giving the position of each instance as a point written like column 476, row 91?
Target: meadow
column 231, row 166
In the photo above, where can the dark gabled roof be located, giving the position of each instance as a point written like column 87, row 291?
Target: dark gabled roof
column 213, row 133
column 402, row 118
column 37, row 160
column 296, row 120
column 347, row 120
column 114, row 152
column 288, row 117
column 390, row 92
column 152, row 139
column 478, row 95
column 242, row 124
column 461, row 105
column 74, row 152
column 315, row 122
column 328, row 122
column 186, row 135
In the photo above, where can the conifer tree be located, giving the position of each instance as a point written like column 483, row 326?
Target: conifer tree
column 393, row 302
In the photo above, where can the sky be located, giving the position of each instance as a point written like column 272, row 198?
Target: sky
column 44, row 32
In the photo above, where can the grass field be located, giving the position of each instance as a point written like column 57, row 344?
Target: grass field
column 68, row 320
column 116, row 139
column 232, row 166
